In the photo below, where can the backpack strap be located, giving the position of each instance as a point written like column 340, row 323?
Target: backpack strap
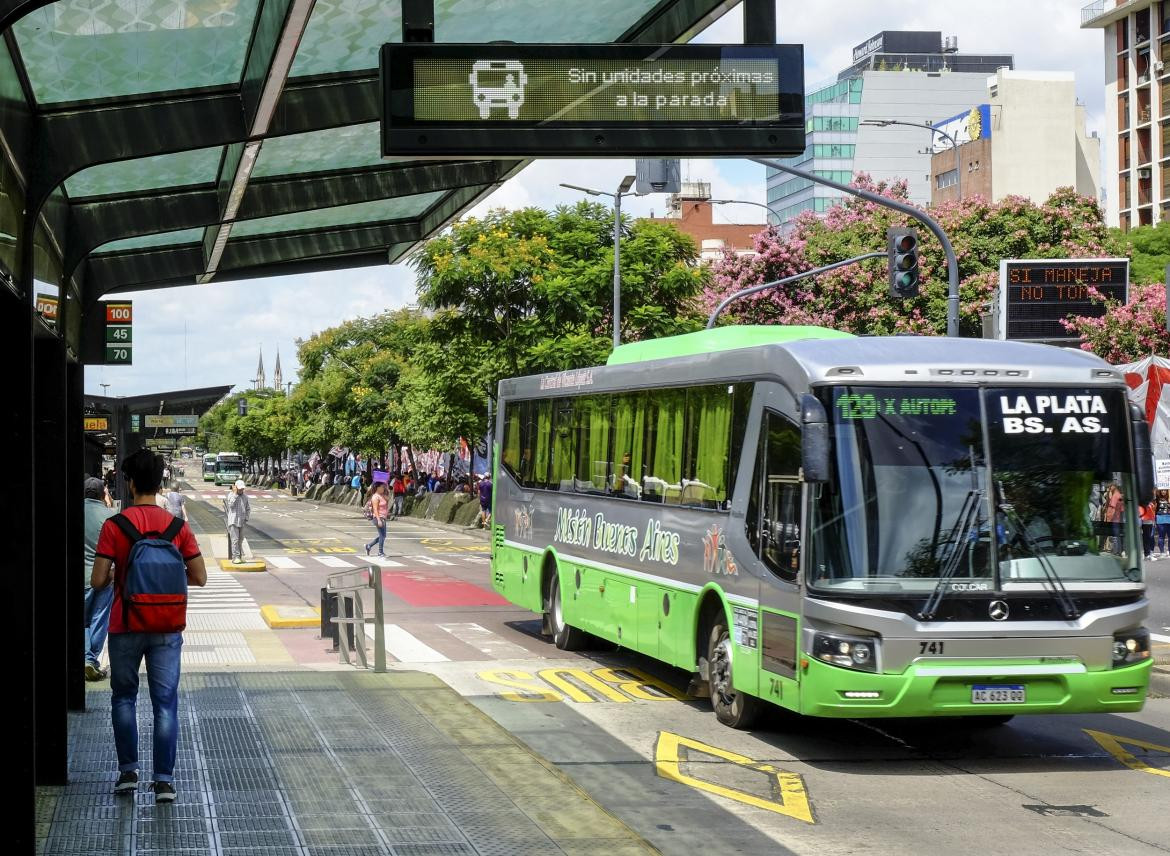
column 128, row 529
column 172, row 531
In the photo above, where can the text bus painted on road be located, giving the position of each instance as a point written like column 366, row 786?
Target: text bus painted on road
column 845, row 527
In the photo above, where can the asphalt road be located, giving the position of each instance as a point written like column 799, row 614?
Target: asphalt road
column 622, row 727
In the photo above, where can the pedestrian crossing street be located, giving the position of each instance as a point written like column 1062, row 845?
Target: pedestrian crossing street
column 223, row 593
column 315, row 561
column 217, row 496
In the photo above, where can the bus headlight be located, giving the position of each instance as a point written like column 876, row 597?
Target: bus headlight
column 849, row 652
column 1130, row 646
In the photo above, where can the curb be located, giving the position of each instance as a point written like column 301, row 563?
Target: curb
column 272, row 617
column 1159, row 682
column 244, row 567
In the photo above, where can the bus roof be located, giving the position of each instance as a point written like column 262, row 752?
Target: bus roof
column 719, row 339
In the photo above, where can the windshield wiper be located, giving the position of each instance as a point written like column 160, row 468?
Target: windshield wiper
column 957, row 541
column 1067, row 604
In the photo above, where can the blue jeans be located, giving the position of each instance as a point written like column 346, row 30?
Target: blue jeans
column 162, row 652
column 379, row 539
column 97, row 621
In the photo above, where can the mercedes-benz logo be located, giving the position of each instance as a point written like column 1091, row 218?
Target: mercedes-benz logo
column 998, row 610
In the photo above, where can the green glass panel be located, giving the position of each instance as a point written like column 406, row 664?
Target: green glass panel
column 80, row 49
column 323, row 218
column 318, row 151
column 345, row 35
column 162, row 239
column 198, row 166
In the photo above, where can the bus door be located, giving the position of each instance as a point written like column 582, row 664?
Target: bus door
column 774, row 533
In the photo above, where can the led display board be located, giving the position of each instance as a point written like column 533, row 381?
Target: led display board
column 1035, row 295
column 508, row 100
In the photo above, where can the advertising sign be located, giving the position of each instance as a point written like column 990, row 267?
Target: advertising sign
column 161, row 443
column 1162, row 475
column 189, row 421
column 179, row 431
column 1035, row 295
column 511, row 100
column 973, row 124
column 97, row 423
column 47, row 306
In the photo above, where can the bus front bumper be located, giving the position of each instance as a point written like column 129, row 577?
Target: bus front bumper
column 927, row 689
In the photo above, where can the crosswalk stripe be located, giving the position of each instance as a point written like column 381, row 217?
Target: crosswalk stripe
column 384, row 563
column 283, row 562
column 483, row 640
column 406, row 648
column 429, row 560
column 332, row 561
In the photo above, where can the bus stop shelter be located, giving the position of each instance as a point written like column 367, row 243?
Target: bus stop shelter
column 178, row 142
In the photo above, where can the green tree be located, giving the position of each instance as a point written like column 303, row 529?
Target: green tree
column 1148, row 248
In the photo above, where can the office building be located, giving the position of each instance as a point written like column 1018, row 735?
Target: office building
column 915, row 77
column 1137, row 102
column 1027, row 139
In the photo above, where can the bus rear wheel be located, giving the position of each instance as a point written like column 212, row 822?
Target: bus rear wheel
column 734, row 708
column 565, row 637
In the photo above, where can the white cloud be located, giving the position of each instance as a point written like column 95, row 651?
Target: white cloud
column 228, row 322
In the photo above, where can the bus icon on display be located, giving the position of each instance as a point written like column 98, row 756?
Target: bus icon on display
column 498, row 83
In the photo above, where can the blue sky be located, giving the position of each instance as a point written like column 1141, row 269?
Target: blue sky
column 226, row 324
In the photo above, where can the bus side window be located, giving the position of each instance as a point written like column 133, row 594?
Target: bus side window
column 777, row 481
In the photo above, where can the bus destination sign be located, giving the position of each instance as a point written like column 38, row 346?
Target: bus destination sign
column 510, row 100
column 1035, row 295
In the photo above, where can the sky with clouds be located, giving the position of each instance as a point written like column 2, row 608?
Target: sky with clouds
column 211, row 335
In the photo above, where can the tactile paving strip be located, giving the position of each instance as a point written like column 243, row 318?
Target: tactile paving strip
column 329, row 763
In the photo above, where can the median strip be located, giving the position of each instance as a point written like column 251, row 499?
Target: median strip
column 290, row 617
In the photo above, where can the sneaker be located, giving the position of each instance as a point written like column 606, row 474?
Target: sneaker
column 127, row 782
column 164, row 792
column 237, row 561
column 367, row 549
column 95, row 673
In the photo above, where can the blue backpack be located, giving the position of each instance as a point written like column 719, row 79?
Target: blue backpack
column 153, row 585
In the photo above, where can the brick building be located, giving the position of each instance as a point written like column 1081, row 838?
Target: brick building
column 690, row 211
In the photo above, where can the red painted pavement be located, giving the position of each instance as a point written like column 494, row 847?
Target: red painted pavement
column 420, row 588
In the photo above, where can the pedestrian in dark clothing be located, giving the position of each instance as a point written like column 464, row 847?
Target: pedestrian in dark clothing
column 485, row 500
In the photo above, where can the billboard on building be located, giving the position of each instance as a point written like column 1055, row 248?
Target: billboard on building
column 973, row 124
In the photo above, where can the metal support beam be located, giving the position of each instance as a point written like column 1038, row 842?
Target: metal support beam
column 418, row 20
column 74, row 495
column 16, row 526
column 51, row 575
column 759, row 22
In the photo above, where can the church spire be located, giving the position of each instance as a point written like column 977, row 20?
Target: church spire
column 277, row 378
column 260, row 380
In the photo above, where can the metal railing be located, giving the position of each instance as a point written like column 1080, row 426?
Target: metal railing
column 347, row 587
column 1093, row 10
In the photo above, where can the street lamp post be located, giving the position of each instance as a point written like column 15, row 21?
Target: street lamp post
column 771, row 213
column 623, row 190
column 883, row 123
column 104, row 386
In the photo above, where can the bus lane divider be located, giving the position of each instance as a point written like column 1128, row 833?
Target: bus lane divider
column 775, row 790
column 1115, row 745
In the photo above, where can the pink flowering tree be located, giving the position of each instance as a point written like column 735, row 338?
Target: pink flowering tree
column 1127, row 331
column 856, row 298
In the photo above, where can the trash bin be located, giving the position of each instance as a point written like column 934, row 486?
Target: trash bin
column 328, row 611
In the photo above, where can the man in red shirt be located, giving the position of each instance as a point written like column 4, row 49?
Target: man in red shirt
column 143, row 471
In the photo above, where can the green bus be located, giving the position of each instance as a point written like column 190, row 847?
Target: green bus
column 209, row 467
column 229, row 466
column 841, row 526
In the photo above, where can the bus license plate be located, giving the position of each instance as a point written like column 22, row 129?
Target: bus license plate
column 998, row 694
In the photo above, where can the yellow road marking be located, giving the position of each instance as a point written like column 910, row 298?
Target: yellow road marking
column 789, row 787
column 229, row 565
column 284, row 618
column 1112, row 744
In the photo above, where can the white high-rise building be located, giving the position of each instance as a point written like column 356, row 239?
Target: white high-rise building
column 910, row 76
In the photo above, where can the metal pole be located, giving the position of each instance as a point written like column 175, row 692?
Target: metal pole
column 617, row 273
column 379, row 628
column 918, row 214
column 1166, row 280
column 814, row 272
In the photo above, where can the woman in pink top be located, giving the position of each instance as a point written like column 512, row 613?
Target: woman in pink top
column 378, row 507
column 1114, row 507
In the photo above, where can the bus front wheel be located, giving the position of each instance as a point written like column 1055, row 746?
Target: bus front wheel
column 734, row 708
column 566, row 638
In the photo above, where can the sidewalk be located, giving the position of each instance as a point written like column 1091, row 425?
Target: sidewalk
column 275, row 764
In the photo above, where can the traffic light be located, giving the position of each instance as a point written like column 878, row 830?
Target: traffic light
column 902, row 249
column 242, row 406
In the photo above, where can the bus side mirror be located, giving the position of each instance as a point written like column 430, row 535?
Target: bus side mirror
column 1143, row 455
column 814, row 440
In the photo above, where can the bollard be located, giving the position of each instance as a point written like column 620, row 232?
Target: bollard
column 328, row 611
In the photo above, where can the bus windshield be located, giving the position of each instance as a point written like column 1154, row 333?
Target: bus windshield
column 987, row 487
